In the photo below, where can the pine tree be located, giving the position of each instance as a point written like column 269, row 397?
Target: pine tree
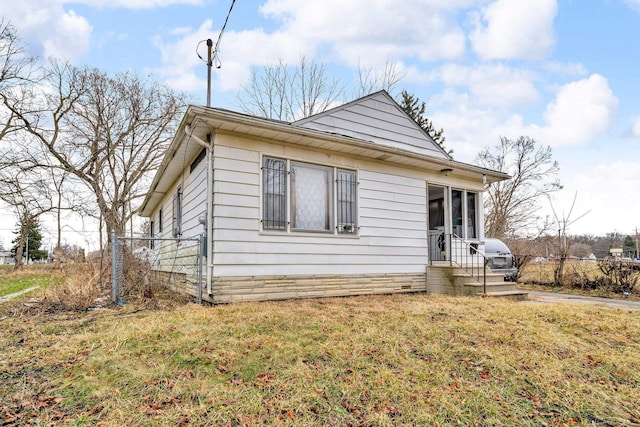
column 418, row 110
column 34, row 238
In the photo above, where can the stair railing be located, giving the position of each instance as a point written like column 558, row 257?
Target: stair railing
column 467, row 256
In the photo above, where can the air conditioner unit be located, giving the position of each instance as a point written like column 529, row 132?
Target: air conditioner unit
column 347, row 228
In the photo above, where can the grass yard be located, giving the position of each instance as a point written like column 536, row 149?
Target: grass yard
column 16, row 281
column 379, row 360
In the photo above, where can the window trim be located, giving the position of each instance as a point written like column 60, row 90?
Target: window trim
column 465, row 213
column 332, row 203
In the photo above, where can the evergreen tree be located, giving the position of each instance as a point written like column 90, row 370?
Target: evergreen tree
column 34, row 239
column 418, row 110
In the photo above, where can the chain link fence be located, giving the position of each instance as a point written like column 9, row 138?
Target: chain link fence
column 137, row 262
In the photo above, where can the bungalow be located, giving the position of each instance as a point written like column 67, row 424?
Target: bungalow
column 354, row 200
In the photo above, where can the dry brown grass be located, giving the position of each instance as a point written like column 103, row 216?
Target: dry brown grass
column 380, row 360
column 581, row 277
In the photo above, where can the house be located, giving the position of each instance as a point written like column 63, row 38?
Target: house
column 6, row 258
column 355, row 200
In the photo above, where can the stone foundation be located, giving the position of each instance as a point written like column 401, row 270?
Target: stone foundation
column 443, row 279
column 264, row 288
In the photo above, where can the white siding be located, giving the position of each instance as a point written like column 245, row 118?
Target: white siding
column 168, row 255
column 194, row 200
column 392, row 236
column 378, row 119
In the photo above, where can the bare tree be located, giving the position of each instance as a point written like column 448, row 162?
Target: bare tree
column 108, row 132
column 16, row 68
column 289, row 93
column 28, row 194
column 371, row 80
column 564, row 243
column 511, row 205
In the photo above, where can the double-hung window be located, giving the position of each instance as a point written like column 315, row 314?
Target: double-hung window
column 306, row 197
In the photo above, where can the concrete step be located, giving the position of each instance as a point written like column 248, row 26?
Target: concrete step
column 515, row 295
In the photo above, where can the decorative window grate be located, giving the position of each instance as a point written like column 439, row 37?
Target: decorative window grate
column 274, row 202
column 300, row 196
column 346, row 197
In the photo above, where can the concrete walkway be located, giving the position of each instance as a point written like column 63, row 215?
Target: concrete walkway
column 17, row 294
column 552, row 297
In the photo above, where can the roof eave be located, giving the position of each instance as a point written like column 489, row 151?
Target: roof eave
column 230, row 121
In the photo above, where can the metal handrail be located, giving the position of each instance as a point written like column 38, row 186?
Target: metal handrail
column 462, row 254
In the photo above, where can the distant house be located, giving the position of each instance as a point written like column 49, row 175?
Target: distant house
column 355, row 200
column 6, row 258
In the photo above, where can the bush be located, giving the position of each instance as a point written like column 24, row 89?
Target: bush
column 620, row 276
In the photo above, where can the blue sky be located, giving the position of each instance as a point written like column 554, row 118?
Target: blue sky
column 565, row 72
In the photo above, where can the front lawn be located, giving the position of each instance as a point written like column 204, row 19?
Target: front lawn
column 379, row 360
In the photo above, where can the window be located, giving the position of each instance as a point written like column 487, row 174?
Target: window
column 199, row 158
column 160, row 220
column 176, row 225
column 151, row 236
column 300, row 196
column 274, row 189
column 471, row 216
column 346, row 196
column 456, row 213
column 310, row 197
column 464, row 217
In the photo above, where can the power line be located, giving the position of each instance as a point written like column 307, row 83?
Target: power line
column 223, row 27
column 216, row 49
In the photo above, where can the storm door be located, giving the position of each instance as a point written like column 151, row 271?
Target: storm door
column 438, row 208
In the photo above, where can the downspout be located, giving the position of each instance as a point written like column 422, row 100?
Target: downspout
column 208, row 145
column 210, row 205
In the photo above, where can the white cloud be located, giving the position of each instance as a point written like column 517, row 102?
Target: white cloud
column 467, row 127
column 635, row 127
column 581, row 112
column 601, row 191
column 633, row 4
column 493, row 85
column 238, row 53
column 511, row 29
column 48, row 29
column 70, row 37
column 366, row 29
column 137, row 4
column 566, row 68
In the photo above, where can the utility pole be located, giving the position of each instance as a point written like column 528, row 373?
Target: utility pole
column 637, row 251
column 209, row 64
